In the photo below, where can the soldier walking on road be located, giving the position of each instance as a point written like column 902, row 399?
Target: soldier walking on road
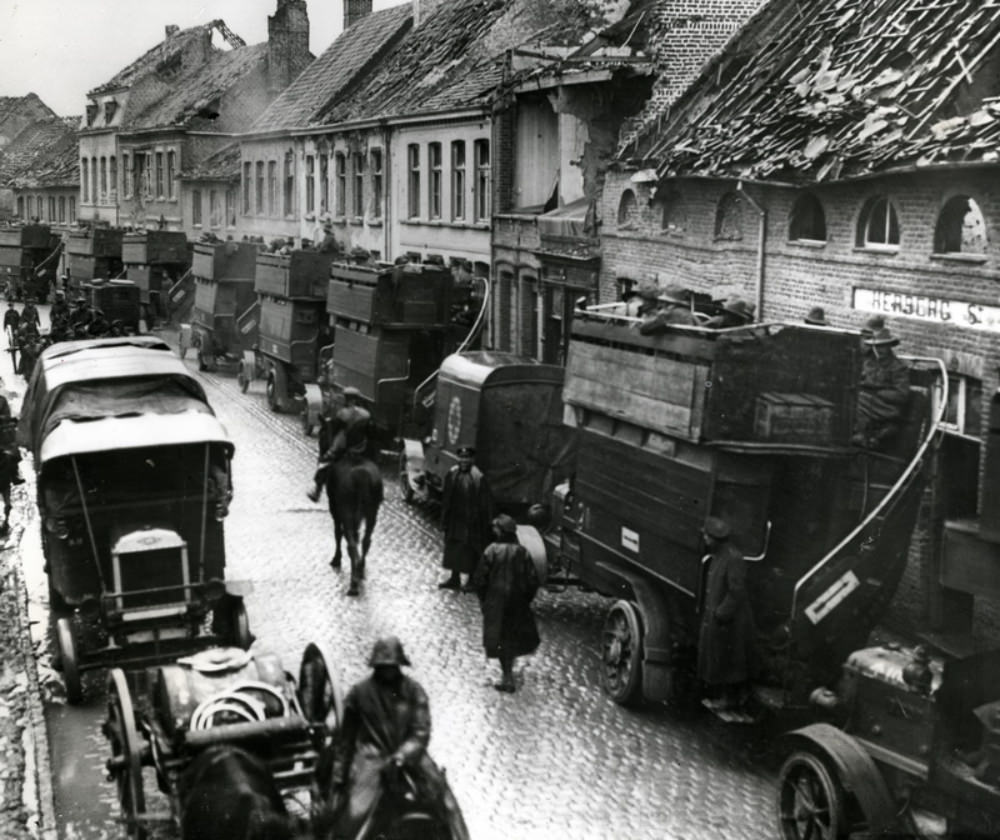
column 726, row 638
column 506, row 582
column 11, row 323
column 29, row 314
column 466, row 513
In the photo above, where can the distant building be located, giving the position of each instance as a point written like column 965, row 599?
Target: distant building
column 173, row 108
column 46, row 182
column 23, row 119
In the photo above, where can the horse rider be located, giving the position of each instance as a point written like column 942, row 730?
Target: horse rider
column 348, row 431
column 379, row 767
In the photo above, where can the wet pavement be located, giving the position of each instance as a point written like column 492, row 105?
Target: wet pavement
column 555, row 760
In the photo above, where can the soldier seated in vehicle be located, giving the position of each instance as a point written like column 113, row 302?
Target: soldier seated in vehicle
column 81, row 314
column 348, row 431
column 735, row 313
column 884, row 393
column 99, row 326
column 673, row 308
column 60, row 308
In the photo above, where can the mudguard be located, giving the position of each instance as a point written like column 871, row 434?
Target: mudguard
column 413, row 453
column 856, row 769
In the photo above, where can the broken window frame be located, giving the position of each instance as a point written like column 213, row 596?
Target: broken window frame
column 377, row 182
column 481, row 188
column 340, row 186
column 729, row 217
column 628, row 211
column 358, row 196
column 950, row 226
column 413, row 181
column 159, row 174
column 171, row 173
column 458, row 209
column 434, row 181
column 879, row 210
column 310, row 183
column 807, row 220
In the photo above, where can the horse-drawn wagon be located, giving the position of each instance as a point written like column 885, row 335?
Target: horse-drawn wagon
column 754, row 425
column 292, row 329
column 392, row 327
column 27, row 260
column 224, row 317
column 187, row 719
column 510, row 409
column 133, row 487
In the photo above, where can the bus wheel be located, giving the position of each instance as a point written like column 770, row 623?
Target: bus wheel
column 621, row 653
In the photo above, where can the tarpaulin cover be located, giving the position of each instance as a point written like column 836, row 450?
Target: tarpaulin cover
column 123, row 398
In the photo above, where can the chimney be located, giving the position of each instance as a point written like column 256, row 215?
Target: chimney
column 287, row 43
column 171, row 30
column 354, row 10
column 197, row 50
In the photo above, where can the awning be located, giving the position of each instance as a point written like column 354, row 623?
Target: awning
column 567, row 222
column 78, row 437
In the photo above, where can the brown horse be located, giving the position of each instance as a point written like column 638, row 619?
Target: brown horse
column 354, row 490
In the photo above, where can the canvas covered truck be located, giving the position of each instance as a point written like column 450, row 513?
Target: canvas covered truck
column 752, row 424
column 134, row 485
column 224, row 317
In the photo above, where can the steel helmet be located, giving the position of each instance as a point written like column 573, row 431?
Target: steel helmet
column 388, row 651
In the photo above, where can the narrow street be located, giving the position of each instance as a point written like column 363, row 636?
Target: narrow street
column 557, row 759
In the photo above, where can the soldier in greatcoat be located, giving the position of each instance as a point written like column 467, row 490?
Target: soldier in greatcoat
column 884, row 393
column 466, row 514
column 506, row 582
column 726, row 637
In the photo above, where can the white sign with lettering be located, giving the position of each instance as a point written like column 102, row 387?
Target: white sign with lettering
column 630, row 539
column 958, row 313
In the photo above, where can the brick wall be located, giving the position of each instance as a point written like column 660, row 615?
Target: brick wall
column 673, row 238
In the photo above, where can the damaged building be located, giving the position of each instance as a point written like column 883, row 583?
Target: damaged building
column 844, row 154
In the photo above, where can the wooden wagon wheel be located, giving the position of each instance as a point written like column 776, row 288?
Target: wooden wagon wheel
column 69, row 661
column 271, row 391
column 621, row 653
column 125, row 764
column 319, row 694
column 242, row 637
column 404, row 480
column 810, row 800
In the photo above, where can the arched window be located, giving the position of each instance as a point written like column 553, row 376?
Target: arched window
column 628, row 210
column 961, row 228
column 807, row 222
column 878, row 226
column 729, row 217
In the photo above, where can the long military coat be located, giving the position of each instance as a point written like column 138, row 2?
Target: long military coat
column 506, row 582
column 726, row 638
column 466, row 517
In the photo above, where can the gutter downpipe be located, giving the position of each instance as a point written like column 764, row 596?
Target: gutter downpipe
column 761, row 234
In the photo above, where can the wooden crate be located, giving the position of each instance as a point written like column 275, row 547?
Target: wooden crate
column 154, row 246
column 221, row 260
column 793, row 418
column 300, row 274
column 414, row 295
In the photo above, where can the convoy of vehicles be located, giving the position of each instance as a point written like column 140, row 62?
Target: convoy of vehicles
column 155, row 260
column 28, row 265
column 133, row 488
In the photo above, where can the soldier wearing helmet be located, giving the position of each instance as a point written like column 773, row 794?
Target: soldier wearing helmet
column 348, row 431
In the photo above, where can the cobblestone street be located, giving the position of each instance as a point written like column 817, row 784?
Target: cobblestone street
column 556, row 759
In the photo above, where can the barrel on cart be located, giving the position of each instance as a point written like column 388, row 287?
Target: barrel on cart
column 134, row 485
column 224, row 297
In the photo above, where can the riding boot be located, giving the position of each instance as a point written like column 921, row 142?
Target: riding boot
column 454, row 582
column 506, row 684
column 314, row 492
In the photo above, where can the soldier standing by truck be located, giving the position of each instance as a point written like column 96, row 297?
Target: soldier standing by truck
column 466, row 514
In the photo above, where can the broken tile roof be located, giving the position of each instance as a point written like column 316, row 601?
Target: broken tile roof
column 344, row 62
column 223, row 165
column 814, row 90
column 454, row 59
column 191, row 97
column 56, row 164
column 150, row 60
column 31, row 153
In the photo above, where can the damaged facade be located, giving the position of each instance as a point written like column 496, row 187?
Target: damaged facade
column 173, row 108
column 558, row 125
column 843, row 154
column 46, row 184
column 23, row 120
